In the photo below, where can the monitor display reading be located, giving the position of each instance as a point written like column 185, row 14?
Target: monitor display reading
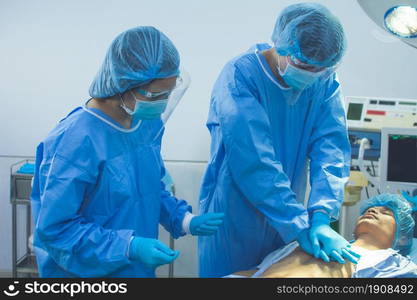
column 354, row 111
column 402, row 158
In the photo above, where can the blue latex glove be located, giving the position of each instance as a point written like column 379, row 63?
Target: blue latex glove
column 326, row 239
column 305, row 244
column 206, row 224
column 151, row 252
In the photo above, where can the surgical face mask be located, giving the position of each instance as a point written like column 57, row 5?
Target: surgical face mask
column 146, row 110
column 297, row 78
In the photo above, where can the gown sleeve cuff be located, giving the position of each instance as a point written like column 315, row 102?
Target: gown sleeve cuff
column 128, row 247
column 186, row 222
column 321, row 216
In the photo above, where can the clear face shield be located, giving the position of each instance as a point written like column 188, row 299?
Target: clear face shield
column 300, row 76
column 182, row 84
column 318, row 72
column 153, row 114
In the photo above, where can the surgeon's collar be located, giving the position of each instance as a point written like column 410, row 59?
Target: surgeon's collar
column 267, row 70
column 106, row 119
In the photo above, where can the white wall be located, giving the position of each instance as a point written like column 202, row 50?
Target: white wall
column 50, row 51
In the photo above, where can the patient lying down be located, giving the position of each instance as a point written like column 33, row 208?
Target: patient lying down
column 383, row 233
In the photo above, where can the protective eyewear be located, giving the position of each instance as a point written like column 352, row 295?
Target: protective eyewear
column 158, row 95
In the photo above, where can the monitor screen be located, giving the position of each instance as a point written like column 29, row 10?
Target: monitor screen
column 354, row 111
column 402, row 158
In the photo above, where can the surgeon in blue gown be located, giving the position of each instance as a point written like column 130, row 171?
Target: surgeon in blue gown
column 98, row 196
column 274, row 112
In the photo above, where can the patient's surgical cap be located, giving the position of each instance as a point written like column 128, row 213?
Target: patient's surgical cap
column 135, row 57
column 310, row 33
column 403, row 217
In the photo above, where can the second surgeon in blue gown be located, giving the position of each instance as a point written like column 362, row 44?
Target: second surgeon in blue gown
column 267, row 126
column 98, row 197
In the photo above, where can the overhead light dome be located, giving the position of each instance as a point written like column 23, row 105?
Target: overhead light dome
column 402, row 21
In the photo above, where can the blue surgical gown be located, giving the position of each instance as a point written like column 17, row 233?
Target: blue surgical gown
column 96, row 185
column 260, row 150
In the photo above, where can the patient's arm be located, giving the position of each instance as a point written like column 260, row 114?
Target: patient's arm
column 300, row 264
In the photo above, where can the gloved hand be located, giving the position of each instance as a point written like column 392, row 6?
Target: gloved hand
column 206, row 224
column 305, row 244
column 151, row 252
column 333, row 244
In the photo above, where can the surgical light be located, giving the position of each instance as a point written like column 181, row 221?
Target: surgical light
column 402, row 21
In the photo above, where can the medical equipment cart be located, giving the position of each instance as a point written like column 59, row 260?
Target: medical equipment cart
column 20, row 190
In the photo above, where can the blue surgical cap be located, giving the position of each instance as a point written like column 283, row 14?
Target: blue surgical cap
column 310, row 33
column 135, row 57
column 403, row 218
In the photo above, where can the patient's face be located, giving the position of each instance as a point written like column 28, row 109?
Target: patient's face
column 378, row 221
